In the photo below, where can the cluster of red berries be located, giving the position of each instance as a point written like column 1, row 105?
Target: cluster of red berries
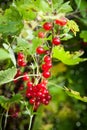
column 46, row 66
column 48, row 26
column 21, row 60
column 37, row 94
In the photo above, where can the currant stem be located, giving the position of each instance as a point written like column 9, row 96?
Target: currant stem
column 30, row 123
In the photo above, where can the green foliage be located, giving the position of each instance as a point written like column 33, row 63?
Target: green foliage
column 6, row 102
column 11, row 53
column 7, row 75
column 83, row 35
column 73, row 26
column 4, row 54
column 65, row 8
column 65, row 56
column 75, row 94
column 82, row 6
column 11, row 22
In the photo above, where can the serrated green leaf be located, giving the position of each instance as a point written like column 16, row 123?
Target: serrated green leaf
column 65, row 56
column 11, row 23
column 64, row 8
column 7, row 75
column 83, row 35
column 25, row 46
column 72, row 25
column 4, row 54
column 75, row 94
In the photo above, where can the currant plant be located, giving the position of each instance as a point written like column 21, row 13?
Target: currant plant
column 32, row 35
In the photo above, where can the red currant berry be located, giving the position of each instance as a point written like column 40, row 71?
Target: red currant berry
column 46, row 102
column 44, row 67
column 46, row 74
column 25, row 76
column 29, row 84
column 21, row 62
column 56, row 41
column 41, row 35
column 40, row 50
column 47, row 59
column 47, row 26
column 49, row 65
column 20, row 55
column 61, row 22
column 32, row 101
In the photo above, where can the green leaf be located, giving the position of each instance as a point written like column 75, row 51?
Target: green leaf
column 66, row 36
column 4, row 54
column 11, row 53
column 7, row 75
column 83, row 35
column 6, row 102
column 72, row 25
column 65, row 56
column 16, row 98
column 75, row 94
column 11, row 22
column 25, row 46
column 65, row 8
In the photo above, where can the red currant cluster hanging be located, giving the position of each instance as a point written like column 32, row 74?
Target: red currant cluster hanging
column 36, row 91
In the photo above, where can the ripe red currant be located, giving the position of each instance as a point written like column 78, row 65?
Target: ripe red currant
column 21, row 62
column 46, row 74
column 40, row 50
column 29, row 84
column 47, row 59
column 47, row 26
column 61, row 22
column 41, row 35
column 25, row 76
column 20, row 55
column 56, row 41
column 32, row 101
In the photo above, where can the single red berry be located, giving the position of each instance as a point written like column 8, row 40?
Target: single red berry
column 21, row 62
column 44, row 67
column 46, row 102
column 46, row 74
column 25, row 76
column 20, row 55
column 40, row 50
column 29, row 84
column 48, row 97
column 49, row 65
column 47, row 59
column 47, row 26
column 32, row 101
column 41, row 35
column 56, row 41
column 61, row 22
